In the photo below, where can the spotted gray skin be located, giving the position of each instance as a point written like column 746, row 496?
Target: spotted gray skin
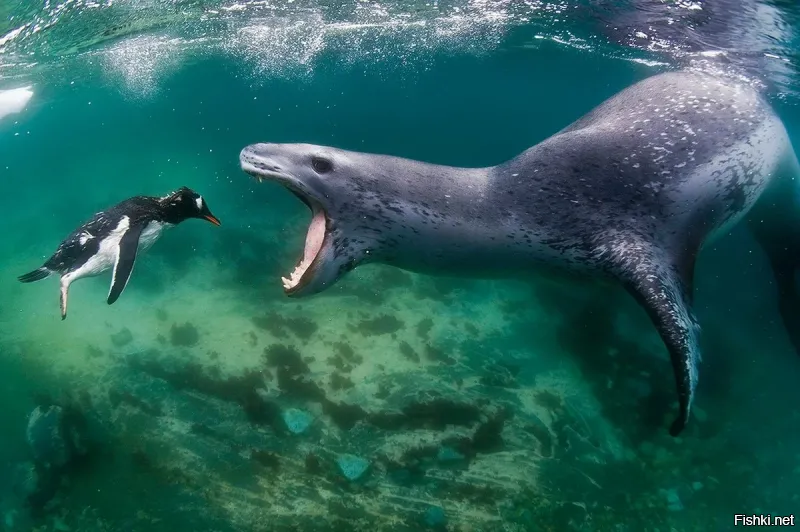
column 631, row 191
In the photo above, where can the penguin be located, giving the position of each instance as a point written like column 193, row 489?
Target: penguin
column 113, row 237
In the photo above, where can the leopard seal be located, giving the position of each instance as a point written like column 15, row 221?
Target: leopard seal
column 632, row 191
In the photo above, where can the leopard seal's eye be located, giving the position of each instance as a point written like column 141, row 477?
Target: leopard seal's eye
column 321, row 165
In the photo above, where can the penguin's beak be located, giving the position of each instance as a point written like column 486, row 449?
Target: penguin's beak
column 211, row 218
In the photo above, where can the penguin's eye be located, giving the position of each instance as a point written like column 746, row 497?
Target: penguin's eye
column 321, row 165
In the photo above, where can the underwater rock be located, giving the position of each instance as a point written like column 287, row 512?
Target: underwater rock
column 122, row 338
column 296, row 420
column 352, row 467
column 435, row 518
column 46, row 438
column 61, row 436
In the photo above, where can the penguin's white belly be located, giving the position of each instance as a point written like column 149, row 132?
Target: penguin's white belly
column 106, row 256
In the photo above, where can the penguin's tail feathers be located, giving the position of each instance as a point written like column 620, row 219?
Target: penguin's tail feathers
column 36, row 275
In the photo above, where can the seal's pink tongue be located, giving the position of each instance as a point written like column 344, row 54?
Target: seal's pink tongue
column 314, row 240
column 315, row 237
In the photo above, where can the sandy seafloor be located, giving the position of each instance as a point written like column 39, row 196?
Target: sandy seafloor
column 536, row 405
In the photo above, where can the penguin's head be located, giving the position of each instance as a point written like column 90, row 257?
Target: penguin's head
column 185, row 203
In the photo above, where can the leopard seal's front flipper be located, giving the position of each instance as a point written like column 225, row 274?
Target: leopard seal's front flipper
column 775, row 223
column 632, row 190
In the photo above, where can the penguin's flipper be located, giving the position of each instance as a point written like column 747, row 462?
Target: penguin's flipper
column 126, row 257
column 662, row 284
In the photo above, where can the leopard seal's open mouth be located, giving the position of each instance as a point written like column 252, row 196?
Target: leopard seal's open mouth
column 317, row 243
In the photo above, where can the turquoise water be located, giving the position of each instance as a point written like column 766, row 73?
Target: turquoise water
column 217, row 403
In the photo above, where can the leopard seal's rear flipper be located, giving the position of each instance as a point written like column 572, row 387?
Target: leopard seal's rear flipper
column 661, row 282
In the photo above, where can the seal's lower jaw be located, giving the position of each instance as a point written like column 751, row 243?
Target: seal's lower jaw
column 298, row 282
